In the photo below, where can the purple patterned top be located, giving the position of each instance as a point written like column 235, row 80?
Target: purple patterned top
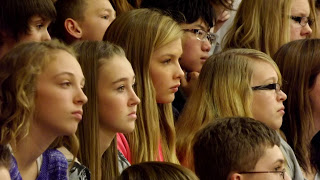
column 54, row 167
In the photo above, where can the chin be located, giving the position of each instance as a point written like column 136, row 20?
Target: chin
column 166, row 100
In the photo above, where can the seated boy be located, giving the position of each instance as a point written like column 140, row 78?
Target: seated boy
column 22, row 21
column 238, row 148
column 5, row 162
column 82, row 20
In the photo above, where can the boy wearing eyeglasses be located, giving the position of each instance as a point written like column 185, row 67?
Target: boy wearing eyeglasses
column 238, row 148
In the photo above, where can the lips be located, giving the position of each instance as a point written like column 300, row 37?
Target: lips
column 281, row 109
column 175, row 88
column 133, row 114
column 77, row 114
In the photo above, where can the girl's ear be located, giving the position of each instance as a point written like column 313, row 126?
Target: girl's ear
column 235, row 176
column 73, row 28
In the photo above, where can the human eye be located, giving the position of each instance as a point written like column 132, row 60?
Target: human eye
column 167, row 61
column 105, row 17
column 65, row 84
column 40, row 25
column 296, row 19
column 121, row 88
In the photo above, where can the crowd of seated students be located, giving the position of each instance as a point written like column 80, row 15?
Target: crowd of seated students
column 130, row 89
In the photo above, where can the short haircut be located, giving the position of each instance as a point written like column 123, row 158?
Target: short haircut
column 191, row 10
column 66, row 9
column 15, row 15
column 232, row 144
column 157, row 171
column 5, row 157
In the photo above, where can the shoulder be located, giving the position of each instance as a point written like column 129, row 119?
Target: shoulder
column 54, row 165
column 79, row 172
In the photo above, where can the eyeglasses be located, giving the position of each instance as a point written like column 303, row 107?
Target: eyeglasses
column 302, row 20
column 203, row 35
column 281, row 173
column 274, row 86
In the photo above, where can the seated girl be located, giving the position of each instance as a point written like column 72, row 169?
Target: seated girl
column 152, row 43
column 41, row 100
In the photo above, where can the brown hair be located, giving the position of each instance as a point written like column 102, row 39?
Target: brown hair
column 299, row 64
column 157, row 171
column 92, row 55
column 232, row 144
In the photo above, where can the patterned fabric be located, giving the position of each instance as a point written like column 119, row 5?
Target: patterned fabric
column 123, row 162
column 54, row 167
column 78, row 172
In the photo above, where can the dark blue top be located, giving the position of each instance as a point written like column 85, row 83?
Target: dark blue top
column 54, row 167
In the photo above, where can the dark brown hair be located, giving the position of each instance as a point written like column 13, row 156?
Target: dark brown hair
column 231, row 144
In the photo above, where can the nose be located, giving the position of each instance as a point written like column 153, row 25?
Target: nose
column 306, row 30
column 46, row 36
column 134, row 99
column 80, row 98
column 286, row 176
column 281, row 96
column 205, row 46
column 178, row 72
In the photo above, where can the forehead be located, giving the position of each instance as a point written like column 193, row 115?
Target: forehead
column 263, row 72
column 95, row 5
column 61, row 60
column 199, row 24
column 115, row 67
column 300, row 8
column 271, row 156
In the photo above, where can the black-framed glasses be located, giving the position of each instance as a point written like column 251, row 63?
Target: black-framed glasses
column 281, row 173
column 272, row 86
column 302, row 20
column 203, row 35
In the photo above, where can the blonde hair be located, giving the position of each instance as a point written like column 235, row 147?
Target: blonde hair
column 262, row 25
column 140, row 32
column 223, row 90
column 92, row 56
column 18, row 75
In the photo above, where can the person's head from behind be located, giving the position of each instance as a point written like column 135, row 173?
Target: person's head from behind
column 243, row 82
column 291, row 20
column 238, row 148
column 152, row 42
column 5, row 162
column 41, row 92
column 301, row 73
column 195, row 18
column 82, row 19
column 157, row 171
column 25, row 21
column 113, row 105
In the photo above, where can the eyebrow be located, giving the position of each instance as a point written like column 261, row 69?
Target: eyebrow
column 123, row 79
column 68, row 74
column 271, row 78
column 281, row 161
column 201, row 27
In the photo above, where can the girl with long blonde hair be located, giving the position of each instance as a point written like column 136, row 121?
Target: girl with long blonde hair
column 152, row 43
column 238, row 82
column 111, row 109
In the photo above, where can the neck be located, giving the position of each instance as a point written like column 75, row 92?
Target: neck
column 105, row 138
column 31, row 147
